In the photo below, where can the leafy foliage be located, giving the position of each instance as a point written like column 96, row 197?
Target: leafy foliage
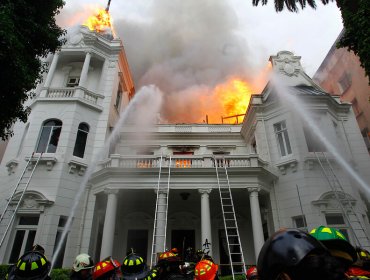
column 60, row 274
column 27, row 32
column 356, row 22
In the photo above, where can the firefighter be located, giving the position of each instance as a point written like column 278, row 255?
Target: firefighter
column 252, row 273
column 291, row 254
column 337, row 244
column 153, row 274
column 107, row 269
column 31, row 266
column 133, row 267
column 360, row 269
column 82, row 267
column 169, row 265
column 205, row 270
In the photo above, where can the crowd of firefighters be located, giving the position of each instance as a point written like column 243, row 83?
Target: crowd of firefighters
column 289, row 254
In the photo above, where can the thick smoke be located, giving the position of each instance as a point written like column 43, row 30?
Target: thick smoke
column 185, row 48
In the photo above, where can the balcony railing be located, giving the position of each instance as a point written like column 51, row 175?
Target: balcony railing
column 70, row 94
column 192, row 161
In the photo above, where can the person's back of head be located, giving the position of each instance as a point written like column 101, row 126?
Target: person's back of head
column 107, row 269
column 82, row 267
column 31, row 266
column 296, row 255
column 337, row 244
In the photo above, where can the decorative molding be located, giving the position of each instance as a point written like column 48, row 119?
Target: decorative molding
column 109, row 191
column 32, row 201
column 11, row 166
column 283, row 166
column 77, row 166
column 253, row 189
column 48, row 159
column 205, row 191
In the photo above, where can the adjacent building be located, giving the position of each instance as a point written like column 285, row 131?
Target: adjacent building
column 341, row 74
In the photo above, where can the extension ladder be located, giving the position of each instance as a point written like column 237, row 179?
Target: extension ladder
column 161, row 210
column 350, row 214
column 234, row 247
column 21, row 186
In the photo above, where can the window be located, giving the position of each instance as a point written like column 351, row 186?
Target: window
column 24, row 237
column 336, row 220
column 145, row 162
column 82, row 132
column 49, row 136
column 344, row 82
column 118, row 98
column 73, row 81
column 300, row 222
column 59, row 259
column 282, row 137
column 313, row 143
column 182, row 162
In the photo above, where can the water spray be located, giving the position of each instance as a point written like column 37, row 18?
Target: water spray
column 154, row 96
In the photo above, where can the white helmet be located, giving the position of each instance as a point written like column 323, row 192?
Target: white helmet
column 82, row 261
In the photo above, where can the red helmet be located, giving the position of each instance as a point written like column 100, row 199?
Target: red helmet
column 205, row 270
column 107, row 265
column 252, row 273
column 166, row 255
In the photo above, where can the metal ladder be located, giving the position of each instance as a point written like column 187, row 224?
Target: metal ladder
column 21, row 186
column 350, row 214
column 235, row 251
column 161, row 208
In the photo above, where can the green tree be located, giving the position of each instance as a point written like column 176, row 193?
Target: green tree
column 356, row 22
column 28, row 32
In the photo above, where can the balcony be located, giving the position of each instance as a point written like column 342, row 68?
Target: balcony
column 66, row 94
column 183, row 161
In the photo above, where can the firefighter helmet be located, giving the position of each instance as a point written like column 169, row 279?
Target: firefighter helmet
column 166, row 255
column 106, row 267
column 284, row 249
column 82, row 261
column 134, row 267
column 252, row 273
column 205, row 270
column 153, row 274
column 363, row 254
column 336, row 242
column 31, row 266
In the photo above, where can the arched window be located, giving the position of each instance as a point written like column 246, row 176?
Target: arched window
column 49, row 136
column 82, row 132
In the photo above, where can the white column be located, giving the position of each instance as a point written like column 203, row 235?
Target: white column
column 161, row 222
column 85, row 70
column 206, row 220
column 256, row 220
column 52, row 68
column 109, row 224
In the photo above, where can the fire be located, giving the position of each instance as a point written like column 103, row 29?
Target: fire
column 100, row 21
column 234, row 96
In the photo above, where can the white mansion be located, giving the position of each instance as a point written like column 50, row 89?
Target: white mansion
column 278, row 173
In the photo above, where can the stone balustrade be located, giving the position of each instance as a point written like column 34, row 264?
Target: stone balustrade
column 181, row 161
column 70, row 94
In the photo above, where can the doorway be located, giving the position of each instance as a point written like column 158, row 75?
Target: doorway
column 137, row 239
column 182, row 239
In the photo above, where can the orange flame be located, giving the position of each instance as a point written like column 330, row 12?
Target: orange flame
column 234, row 97
column 100, row 21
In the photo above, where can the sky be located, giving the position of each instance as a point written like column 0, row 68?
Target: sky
column 188, row 47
